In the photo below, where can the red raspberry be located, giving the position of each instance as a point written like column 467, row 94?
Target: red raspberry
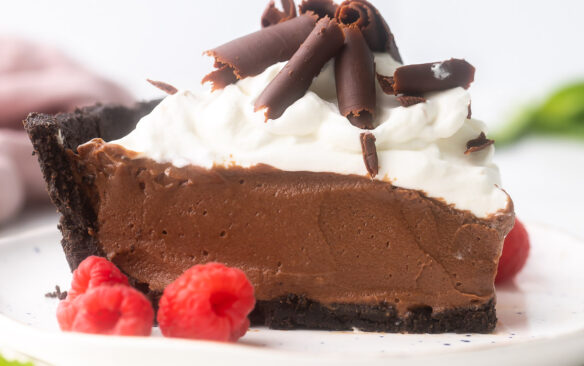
column 117, row 309
column 93, row 272
column 515, row 252
column 208, row 301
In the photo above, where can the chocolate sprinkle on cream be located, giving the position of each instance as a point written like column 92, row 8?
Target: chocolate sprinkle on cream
column 469, row 114
column 273, row 15
column 436, row 76
column 322, row 8
column 369, row 153
column 369, row 20
column 165, row 87
column 57, row 294
column 355, row 79
column 292, row 82
column 250, row 55
column 410, row 100
column 478, row 143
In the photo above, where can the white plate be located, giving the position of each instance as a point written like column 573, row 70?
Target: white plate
column 541, row 321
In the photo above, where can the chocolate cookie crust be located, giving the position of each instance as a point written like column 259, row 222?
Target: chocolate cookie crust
column 52, row 136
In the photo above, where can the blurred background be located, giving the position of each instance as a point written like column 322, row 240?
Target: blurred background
column 525, row 52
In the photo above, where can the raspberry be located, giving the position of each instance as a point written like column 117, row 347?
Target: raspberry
column 93, row 272
column 515, row 252
column 116, row 309
column 208, row 301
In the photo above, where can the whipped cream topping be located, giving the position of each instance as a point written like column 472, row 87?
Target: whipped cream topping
column 419, row 147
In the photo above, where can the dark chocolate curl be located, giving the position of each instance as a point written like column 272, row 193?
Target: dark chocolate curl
column 295, row 78
column 250, row 55
column 372, row 24
column 423, row 78
column 322, row 8
column 369, row 153
column 273, row 15
column 355, row 79
column 478, row 143
column 165, row 87
column 386, row 83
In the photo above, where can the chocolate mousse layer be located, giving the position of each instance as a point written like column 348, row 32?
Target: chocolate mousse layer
column 322, row 250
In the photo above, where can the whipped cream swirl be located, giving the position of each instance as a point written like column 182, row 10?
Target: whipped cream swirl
column 419, row 147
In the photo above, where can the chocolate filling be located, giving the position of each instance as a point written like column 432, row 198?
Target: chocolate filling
column 355, row 79
column 295, row 78
column 250, row 55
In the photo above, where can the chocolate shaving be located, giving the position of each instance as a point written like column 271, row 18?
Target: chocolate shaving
column 273, row 15
column 369, row 153
column 386, row 83
column 422, row 78
column 57, row 294
column 478, row 143
column 322, row 8
column 355, row 79
column 250, row 55
column 295, row 78
column 410, row 100
column 165, row 87
column 469, row 114
column 369, row 20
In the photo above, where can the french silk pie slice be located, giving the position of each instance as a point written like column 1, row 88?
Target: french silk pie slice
column 354, row 191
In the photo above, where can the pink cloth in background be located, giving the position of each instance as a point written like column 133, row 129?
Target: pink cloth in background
column 38, row 78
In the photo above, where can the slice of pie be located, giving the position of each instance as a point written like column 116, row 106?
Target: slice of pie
column 347, row 207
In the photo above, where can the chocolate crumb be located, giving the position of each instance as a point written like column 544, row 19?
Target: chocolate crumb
column 410, row 100
column 369, row 153
column 165, row 87
column 386, row 83
column 478, row 143
column 57, row 294
column 273, row 15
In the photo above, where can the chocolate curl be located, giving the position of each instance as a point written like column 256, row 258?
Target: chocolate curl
column 322, row 8
column 386, row 83
column 295, row 78
column 250, row 55
column 423, row 78
column 369, row 153
column 410, row 100
column 369, row 20
column 478, row 143
column 355, row 79
column 272, row 15
column 167, row 88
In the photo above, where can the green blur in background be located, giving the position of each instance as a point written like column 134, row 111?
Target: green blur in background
column 562, row 114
